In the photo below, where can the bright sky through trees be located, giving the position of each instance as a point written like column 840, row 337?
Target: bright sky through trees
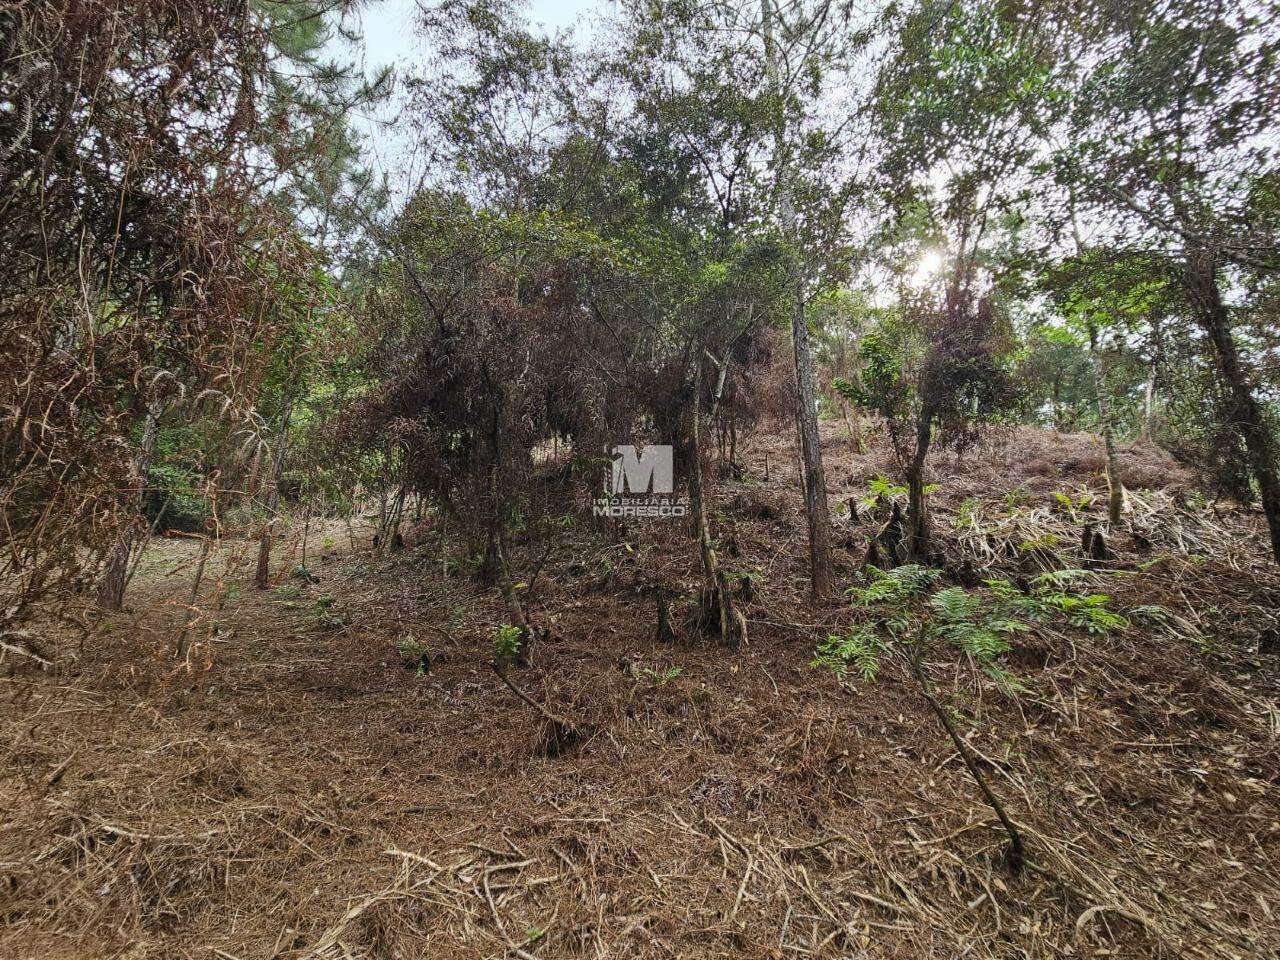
column 390, row 38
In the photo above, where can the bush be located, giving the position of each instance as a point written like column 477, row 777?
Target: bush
column 173, row 502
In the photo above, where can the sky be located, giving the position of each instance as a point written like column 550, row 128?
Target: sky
column 390, row 38
column 389, row 25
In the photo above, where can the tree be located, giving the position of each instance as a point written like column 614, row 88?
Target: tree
column 956, row 123
column 736, row 87
column 936, row 370
column 1101, row 294
column 140, row 239
column 1170, row 134
column 1058, row 372
column 802, row 43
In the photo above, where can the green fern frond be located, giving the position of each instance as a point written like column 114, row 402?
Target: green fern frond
column 955, row 604
column 858, row 651
column 1061, row 578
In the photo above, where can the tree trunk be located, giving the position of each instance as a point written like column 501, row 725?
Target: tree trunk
column 116, row 575
column 717, row 606
column 1017, row 854
column 306, row 531
column 1153, row 369
column 1149, row 403
column 273, row 498
column 1247, row 416
column 814, row 477
column 1115, row 486
column 917, row 512
column 519, row 618
column 197, row 579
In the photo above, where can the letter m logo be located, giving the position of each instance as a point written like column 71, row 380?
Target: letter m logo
column 650, row 472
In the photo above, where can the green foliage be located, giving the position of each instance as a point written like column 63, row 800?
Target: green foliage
column 1073, row 506
column 1016, row 603
column 1045, row 541
column 972, row 625
column 1087, row 612
column 1016, row 499
column 879, row 489
column 1097, row 291
column 881, row 387
column 901, row 583
column 1054, row 363
column 858, row 650
column 903, row 606
column 506, row 641
column 1150, row 613
column 414, row 653
column 323, row 613
column 967, row 514
column 1066, row 577
column 660, row 678
column 173, row 501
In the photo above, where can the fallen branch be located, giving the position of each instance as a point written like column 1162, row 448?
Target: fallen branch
column 1016, row 854
column 562, row 732
column 29, row 650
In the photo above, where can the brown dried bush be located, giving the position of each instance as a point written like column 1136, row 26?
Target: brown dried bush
column 141, row 260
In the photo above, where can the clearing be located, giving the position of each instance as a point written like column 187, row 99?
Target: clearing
column 336, row 772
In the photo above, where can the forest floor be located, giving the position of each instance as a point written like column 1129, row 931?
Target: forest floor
column 294, row 789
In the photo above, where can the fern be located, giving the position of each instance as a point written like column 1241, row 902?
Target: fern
column 909, row 580
column 1092, row 614
column 1046, row 541
column 1151, row 613
column 967, row 515
column 1015, row 499
column 1013, row 603
column 1072, row 506
column 1009, row 683
column 880, row 488
column 977, row 640
column 899, row 626
column 506, row 644
column 1058, row 578
column 858, row 650
column 955, row 604
column 903, row 602
column 660, row 678
column 1087, row 612
column 961, row 620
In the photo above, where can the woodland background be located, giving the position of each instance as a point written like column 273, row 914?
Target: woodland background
column 960, row 320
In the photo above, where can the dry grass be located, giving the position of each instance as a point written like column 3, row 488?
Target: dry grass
column 293, row 791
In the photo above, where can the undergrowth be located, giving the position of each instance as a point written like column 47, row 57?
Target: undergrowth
column 904, row 605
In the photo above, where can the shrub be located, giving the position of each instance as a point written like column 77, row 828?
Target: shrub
column 172, row 501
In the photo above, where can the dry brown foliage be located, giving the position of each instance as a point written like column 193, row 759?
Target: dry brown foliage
column 140, row 261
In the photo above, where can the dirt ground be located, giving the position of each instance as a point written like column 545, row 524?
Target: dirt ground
column 305, row 783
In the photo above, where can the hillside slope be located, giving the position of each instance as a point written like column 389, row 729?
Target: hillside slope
column 308, row 785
